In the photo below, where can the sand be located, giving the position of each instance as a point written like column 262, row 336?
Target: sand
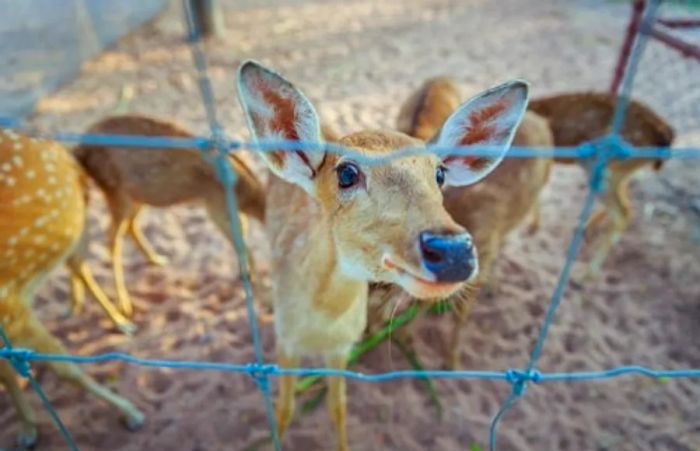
column 354, row 61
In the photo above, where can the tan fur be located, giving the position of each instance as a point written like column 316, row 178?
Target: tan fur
column 325, row 314
column 133, row 177
column 328, row 241
column 42, row 215
column 491, row 209
column 579, row 117
column 424, row 112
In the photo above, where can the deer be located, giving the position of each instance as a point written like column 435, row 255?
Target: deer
column 336, row 223
column 42, row 218
column 579, row 117
column 490, row 209
column 132, row 178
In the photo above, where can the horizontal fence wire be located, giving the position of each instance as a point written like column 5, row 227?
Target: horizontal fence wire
column 214, row 148
column 510, row 375
column 620, row 149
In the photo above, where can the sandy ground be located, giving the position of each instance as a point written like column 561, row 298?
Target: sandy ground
column 355, row 60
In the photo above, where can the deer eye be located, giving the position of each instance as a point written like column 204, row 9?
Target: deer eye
column 349, row 175
column 440, row 175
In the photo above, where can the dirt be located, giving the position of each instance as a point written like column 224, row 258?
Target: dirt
column 355, row 61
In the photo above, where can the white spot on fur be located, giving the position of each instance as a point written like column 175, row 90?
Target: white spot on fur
column 40, row 221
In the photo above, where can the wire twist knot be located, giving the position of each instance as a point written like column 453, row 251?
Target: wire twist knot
column 260, row 373
column 19, row 359
column 519, row 379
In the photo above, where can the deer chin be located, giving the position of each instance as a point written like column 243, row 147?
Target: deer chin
column 419, row 284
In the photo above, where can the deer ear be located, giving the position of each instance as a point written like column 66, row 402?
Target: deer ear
column 274, row 109
column 489, row 119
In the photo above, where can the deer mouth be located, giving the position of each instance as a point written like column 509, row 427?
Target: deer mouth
column 418, row 285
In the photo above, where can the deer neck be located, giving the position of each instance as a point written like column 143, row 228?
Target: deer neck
column 337, row 289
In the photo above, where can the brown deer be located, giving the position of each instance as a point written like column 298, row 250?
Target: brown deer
column 42, row 216
column 576, row 118
column 133, row 177
column 490, row 209
column 336, row 223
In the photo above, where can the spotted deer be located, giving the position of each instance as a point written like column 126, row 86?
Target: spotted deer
column 335, row 223
column 42, row 216
column 490, row 209
column 131, row 178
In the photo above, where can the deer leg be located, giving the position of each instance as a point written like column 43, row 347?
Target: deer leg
column 81, row 274
column 141, row 241
column 218, row 212
column 121, row 208
column 28, row 433
column 77, row 294
column 534, row 224
column 461, row 312
column 285, row 398
column 116, row 245
column 598, row 217
column 35, row 336
column 617, row 204
column 337, row 401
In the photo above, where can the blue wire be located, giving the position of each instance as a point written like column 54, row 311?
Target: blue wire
column 21, row 366
column 227, row 177
column 512, row 375
column 604, row 149
column 623, row 98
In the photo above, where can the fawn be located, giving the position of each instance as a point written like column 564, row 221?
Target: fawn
column 491, row 209
column 42, row 216
column 336, row 224
column 133, row 177
column 579, row 117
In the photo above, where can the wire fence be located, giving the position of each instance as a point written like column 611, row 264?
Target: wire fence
column 215, row 149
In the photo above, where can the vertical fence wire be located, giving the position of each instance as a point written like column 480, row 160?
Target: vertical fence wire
column 227, row 176
column 22, row 367
column 597, row 173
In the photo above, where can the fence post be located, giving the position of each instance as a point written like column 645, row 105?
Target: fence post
column 208, row 17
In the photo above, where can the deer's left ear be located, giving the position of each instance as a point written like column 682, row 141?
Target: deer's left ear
column 489, row 119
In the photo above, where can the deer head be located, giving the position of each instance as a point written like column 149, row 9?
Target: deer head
column 387, row 222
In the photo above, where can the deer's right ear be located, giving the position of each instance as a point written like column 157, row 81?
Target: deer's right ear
column 274, row 109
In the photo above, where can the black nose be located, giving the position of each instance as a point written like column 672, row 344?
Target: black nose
column 450, row 257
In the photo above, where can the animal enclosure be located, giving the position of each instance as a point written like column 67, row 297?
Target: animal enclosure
column 193, row 314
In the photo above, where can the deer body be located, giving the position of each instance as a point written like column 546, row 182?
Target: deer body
column 131, row 178
column 336, row 224
column 42, row 215
column 576, row 118
column 491, row 209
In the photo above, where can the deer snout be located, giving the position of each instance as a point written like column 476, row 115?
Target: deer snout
column 450, row 257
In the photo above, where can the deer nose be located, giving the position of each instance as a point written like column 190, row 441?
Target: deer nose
column 450, row 257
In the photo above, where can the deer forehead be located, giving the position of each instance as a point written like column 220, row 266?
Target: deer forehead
column 403, row 173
